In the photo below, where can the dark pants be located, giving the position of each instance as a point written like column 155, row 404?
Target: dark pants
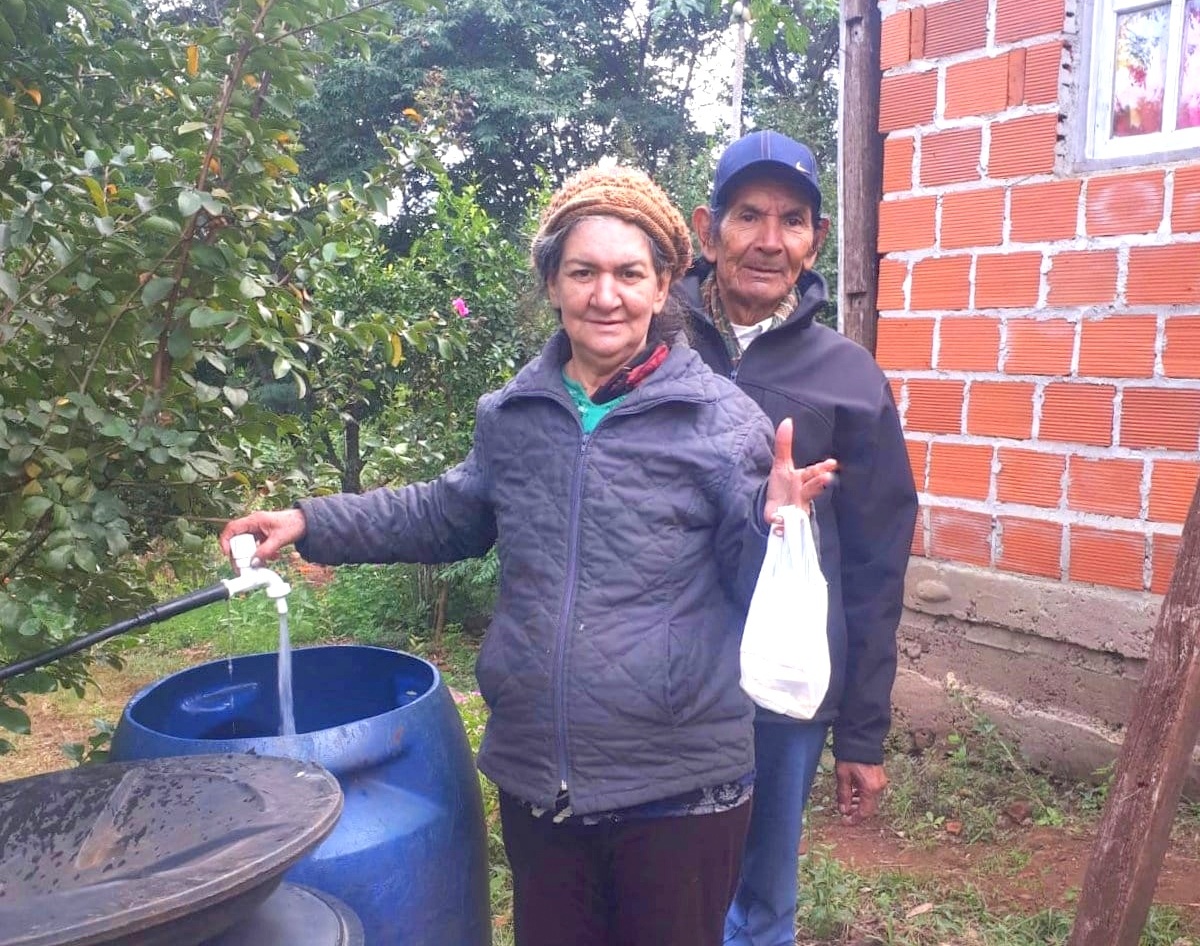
column 641, row 882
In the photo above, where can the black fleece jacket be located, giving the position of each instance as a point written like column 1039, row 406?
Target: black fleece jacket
column 841, row 406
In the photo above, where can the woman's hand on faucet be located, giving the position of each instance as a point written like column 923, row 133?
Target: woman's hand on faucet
column 272, row 531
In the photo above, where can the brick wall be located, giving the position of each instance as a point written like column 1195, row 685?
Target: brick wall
column 1040, row 326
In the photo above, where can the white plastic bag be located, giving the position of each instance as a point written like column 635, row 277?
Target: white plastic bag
column 785, row 648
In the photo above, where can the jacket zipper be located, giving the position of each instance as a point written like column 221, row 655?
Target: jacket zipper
column 572, row 574
column 568, row 605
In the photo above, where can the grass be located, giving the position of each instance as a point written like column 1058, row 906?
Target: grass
column 888, row 908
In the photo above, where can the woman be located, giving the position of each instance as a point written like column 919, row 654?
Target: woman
column 626, row 488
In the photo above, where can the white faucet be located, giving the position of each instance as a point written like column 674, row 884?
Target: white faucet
column 250, row 576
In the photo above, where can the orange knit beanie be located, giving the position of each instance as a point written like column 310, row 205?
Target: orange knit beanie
column 628, row 194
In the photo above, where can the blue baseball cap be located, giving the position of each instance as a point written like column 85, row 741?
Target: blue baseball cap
column 767, row 151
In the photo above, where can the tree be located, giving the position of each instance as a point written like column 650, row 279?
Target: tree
column 151, row 231
column 424, row 336
column 522, row 88
column 793, row 75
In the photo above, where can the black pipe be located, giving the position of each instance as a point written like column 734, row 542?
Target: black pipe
column 152, row 615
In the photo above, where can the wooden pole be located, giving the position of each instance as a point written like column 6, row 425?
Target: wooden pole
column 1135, row 827
column 860, row 171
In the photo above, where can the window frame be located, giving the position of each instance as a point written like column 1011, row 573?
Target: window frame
column 1098, row 147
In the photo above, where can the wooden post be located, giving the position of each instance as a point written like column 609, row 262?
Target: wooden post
column 1136, row 825
column 860, row 171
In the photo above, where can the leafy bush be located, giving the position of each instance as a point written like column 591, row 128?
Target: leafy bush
column 375, row 604
column 151, row 233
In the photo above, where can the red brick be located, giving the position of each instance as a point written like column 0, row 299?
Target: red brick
column 950, row 157
column 934, row 406
column 1158, row 417
column 895, row 39
column 907, row 101
column 918, row 539
column 916, row 39
column 1121, row 346
column 955, row 27
column 898, row 164
column 1040, row 347
column 1107, row 558
column 960, row 469
column 1007, row 280
column 1031, row 547
column 942, row 283
column 1172, row 486
column 1125, row 203
column 1083, row 277
column 970, row 343
column 1030, row 478
column 1164, row 549
column 1045, row 211
column 1021, row 19
column 1001, row 409
column 897, row 387
column 1015, row 80
column 907, row 224
column 1181, row 353
column 892, row 274
column 1023, row 146
column 973, row 218
column 977, row 87
column 1164, row 275
column 1109, row 487
column 918, row 451
column 904, row 344
column 1042, row 67
column 1078, row 413
column 1185, row 212
column 960, row 536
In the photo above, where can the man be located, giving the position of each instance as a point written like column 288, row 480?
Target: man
column 752, row 297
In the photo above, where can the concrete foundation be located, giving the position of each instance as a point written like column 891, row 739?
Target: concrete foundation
column 1056, row 666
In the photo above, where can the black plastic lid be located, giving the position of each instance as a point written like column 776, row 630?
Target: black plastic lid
column 169, row 851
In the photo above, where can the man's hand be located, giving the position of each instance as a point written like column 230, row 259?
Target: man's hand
column 788, row 486
column 859, row 788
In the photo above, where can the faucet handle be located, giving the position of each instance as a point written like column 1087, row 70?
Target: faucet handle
column 242, row 547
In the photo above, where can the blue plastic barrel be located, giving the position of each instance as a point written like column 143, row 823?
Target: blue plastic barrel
column 409, row 854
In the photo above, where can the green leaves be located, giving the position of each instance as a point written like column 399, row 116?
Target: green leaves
column 250, row 288
column 151, row 257
column 14, row 720
column 156, row 290
column 9, row 285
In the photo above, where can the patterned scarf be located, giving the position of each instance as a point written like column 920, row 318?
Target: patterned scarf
column 712, row 302
column 632, row 373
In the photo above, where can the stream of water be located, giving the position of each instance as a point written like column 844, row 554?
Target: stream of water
column 287, row 709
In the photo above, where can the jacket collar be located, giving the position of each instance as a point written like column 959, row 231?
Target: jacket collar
column 681, row 377
column 810, row 287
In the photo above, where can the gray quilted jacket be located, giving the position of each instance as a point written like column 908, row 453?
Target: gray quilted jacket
column 627, row 557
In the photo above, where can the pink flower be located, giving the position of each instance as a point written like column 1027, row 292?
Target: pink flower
column 460, row 306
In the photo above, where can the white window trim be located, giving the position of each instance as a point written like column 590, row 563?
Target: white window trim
column 1097, row 147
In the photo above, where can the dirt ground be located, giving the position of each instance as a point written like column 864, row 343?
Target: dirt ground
column 61, row 719
column 1032, row 869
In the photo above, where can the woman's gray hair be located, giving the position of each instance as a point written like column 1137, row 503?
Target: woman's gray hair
column 547, row 250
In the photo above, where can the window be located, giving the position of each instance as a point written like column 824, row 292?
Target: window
column 1143, row 78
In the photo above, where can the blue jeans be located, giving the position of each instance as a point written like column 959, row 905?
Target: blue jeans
column 763, row 912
